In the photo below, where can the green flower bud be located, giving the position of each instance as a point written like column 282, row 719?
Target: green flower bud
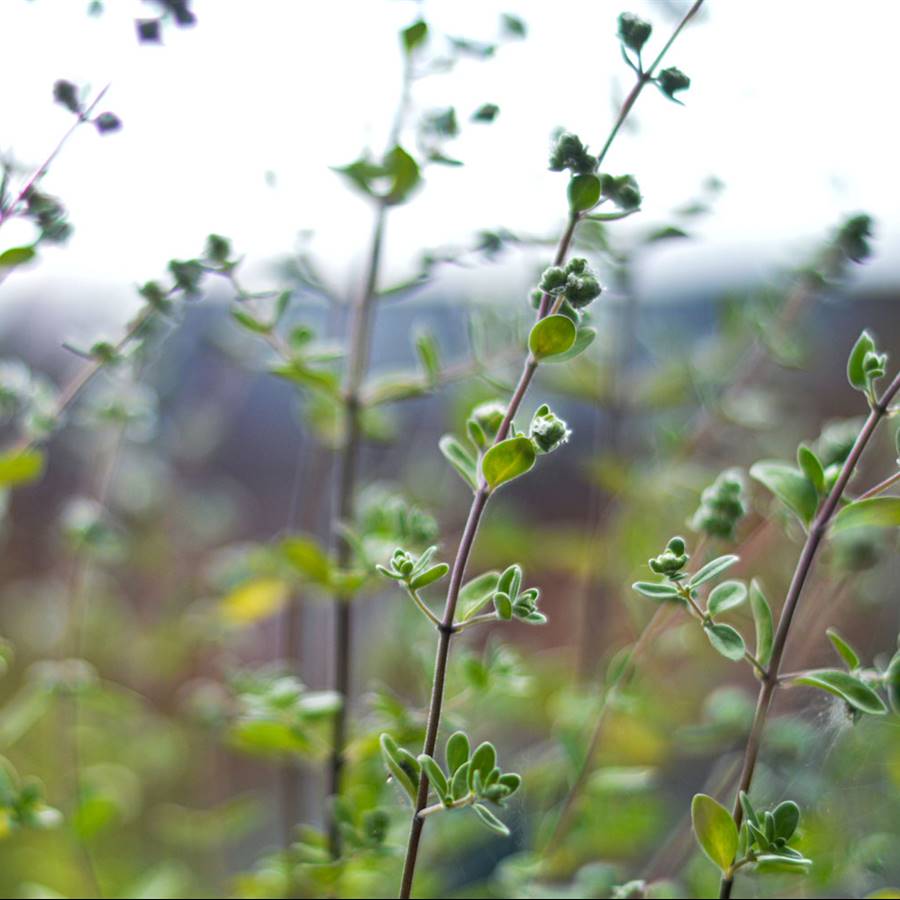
column 570, row 153
column 66, row 94
column 874, row 365
column 553, row 281
column 852, row 237
column 672, row 560
column 722, row 506
column 489, row 417
column 218, row 248
column 106, row 122
column 634, row 31
column 672, row 80
column 547, row 430
column 622, row 190
column 187, row 274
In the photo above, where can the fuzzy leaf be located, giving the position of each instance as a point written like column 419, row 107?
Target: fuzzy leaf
column 460, row 458
column 789, row 485
column 711, row 569
column 762, row 619
column 845, row 651
column 725, row 596
column 726, row 640
column 851, row 689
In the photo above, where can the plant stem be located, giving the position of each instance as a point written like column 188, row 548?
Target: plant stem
column 881, row 487
column 482, row 494
column 644, row 78
column 805, row 563
column 357, row 363
column 39, row 173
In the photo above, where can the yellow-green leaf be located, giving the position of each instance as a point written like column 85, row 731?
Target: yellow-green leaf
column 253, row 600
column 877, row 512
column 20, row 467
column 552, row 335
column 507, row 460
column 715, row 830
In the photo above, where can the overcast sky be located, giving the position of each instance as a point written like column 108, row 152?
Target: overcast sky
column 792, row 105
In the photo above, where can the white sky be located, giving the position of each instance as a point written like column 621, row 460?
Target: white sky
column 792, row 105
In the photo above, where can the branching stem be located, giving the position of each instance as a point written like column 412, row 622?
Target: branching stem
column 804, row 567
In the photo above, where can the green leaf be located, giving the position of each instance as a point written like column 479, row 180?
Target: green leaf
column 726, row 640
column 457, row 751
column 584, row 192
column 775, row 862
column 507, row 460
column 762, row 619
column 812, row 467
column 414, row 36
column 749, row 811
column 787, row 818
column 656, row 590
column 846, row 686
column 396, row 386
column 429, row 356
column 435, row 775
column 476, row 594
column 789, row 485
column 845, row 651
column 877, row 512
column 429, row 576
column 305, row 555
column 490, row 819
column 726, row 596
column 584, row 337
column 459, row 784
column 397, row 766
column 250, row 323
column 404, row 171
column 711, row 569
column 551, row 336
column 715, row 830
column 483, row 760
column 20, row 467
column 16, row 256
column 503, row 605
column 460, row 458
column 855, row 373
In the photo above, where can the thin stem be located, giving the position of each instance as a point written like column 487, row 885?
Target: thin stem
column 80, row 380
column 482, row 495
column 644, row 78
column 357, row 364
column 39, row 173
column 802, row 571
column 440, row 807
column 421, row 604
column 881, row 487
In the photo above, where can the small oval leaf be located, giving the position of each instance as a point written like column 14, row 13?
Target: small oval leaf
column 726, row 596
column 726, row 640
column 507, row 460
column 551, row 336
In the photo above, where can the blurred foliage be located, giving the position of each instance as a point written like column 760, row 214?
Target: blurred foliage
column 164, row 705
